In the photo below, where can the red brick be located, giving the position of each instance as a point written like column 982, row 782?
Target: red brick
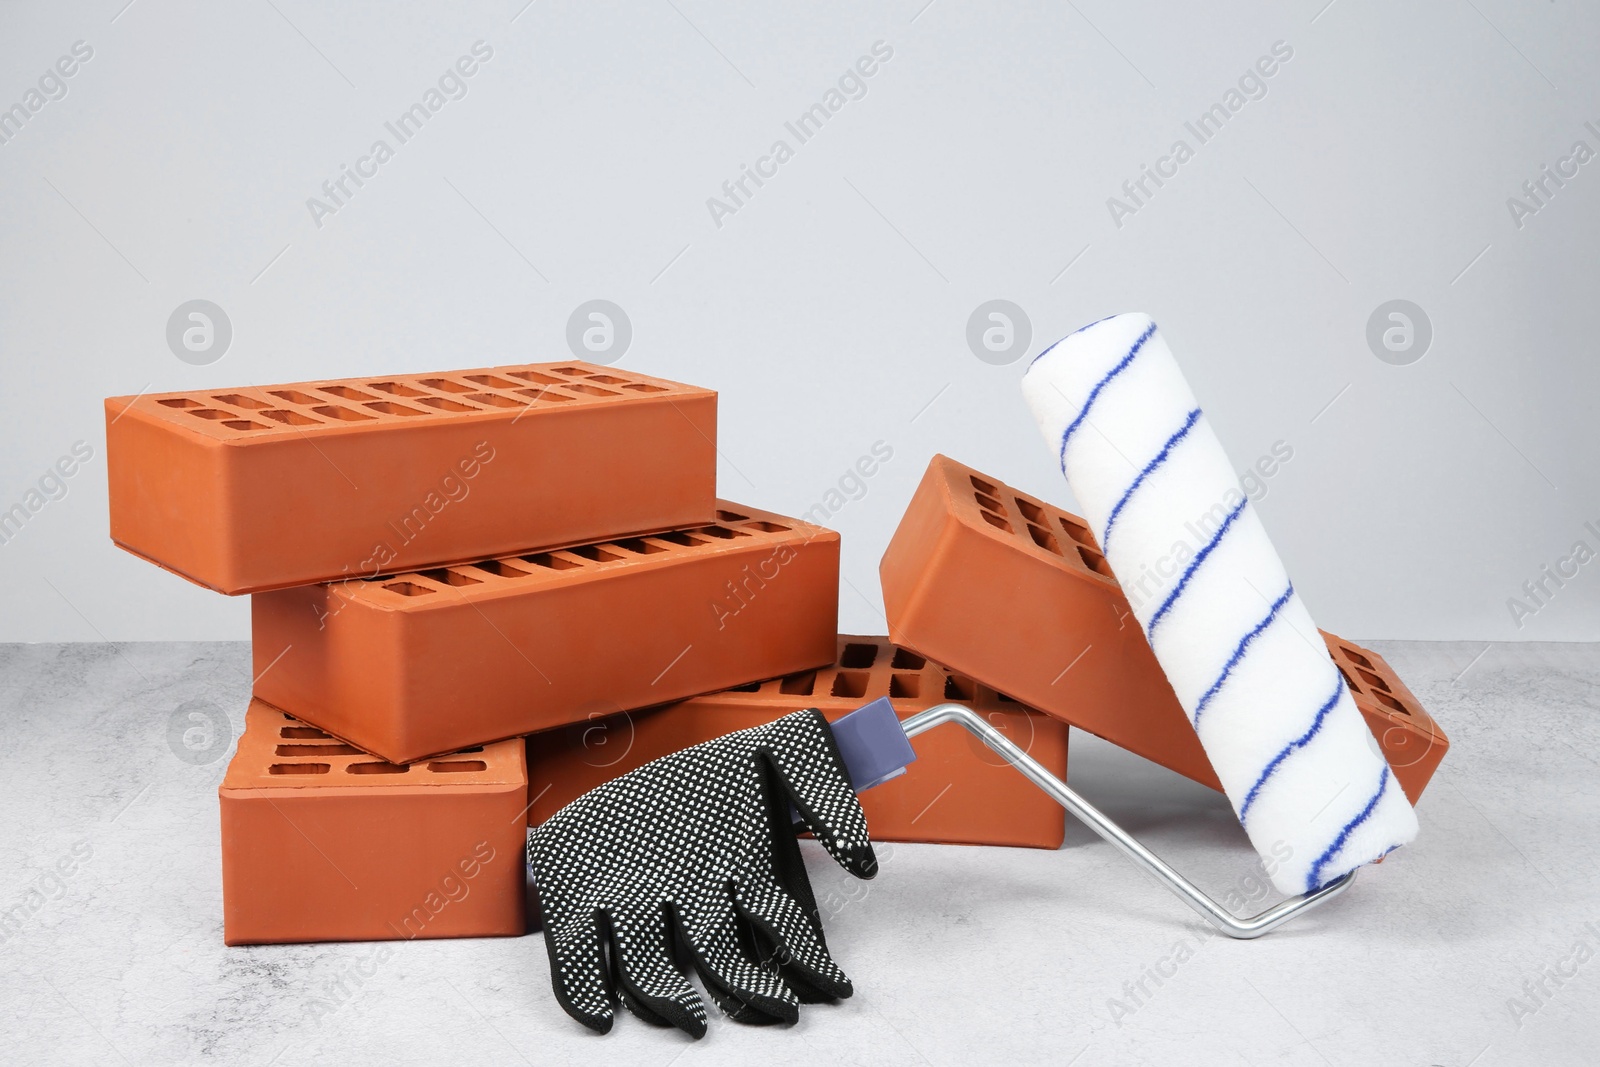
column 1001, row 586
column 265, row 487
column 423, row 662
column 1410, row 740
column 321, row 842
column 957, row 792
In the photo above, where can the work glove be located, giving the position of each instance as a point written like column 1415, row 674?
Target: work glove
column 692, row 861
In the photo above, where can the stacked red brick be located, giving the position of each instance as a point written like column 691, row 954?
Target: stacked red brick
column 440, row 562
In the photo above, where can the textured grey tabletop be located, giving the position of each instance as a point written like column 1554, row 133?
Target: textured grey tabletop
column 1476, row 945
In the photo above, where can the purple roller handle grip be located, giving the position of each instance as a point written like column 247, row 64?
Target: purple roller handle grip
column 873, row 745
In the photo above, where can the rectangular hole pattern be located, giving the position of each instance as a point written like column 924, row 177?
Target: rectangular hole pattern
column 434, row 395
column 424, row 582
column 867, row 668
column 1039, row 525
column 1365, row 681
column 306, row 750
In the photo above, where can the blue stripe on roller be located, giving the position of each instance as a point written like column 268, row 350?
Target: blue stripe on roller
column 1094, row 394
column 1161, row 457
column 1294, row 746
column 1074, row 333
column 1239, row 651
column 1194, row 565
column 1314, row 878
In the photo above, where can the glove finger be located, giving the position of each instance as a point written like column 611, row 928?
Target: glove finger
column 805, row 759
column 796, row 941
column 743, row 990
column 578, row 971
column 650, row 985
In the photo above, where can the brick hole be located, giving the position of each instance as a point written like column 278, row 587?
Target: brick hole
column 638, row 546
column 852, row 684
column 1373, row 680
column 299, row 768
column 996, row 521
column 534, row 376
column 907, row 660
column 395, row 389
column 238, row 400
column 753, row 687
column 731, row 516
column 332, row 749
column 291, row 418
column 767, row 527
column 459, row 766
column 444, row 404
column 551, row 561
column 390, row 408
column 905, row 685
column 302, row 733
column 989, row 503
column 342, row 414
column 798, row 685
column 1031, row 511
column 591, row 390
column 244, row 424
column 495, row 400
column 501, row 569
column 212, row 413
column 1095, row 562
column 294, row 396
column 595, row 552
column 608, row 379
column 179, row 402
column 1005, row 699
column 982, row 486
column 858, row 657
column 464, row 751
column 958, row 688
column 1390, row 702
column 446, row 576
column 445, row 385
column 344, row 392
column 640, row 387
column 1351, row 682
column 1078, row 532
column 1043, row 538
column 408, row 589
column 721, row 532
column 376, row 768
column 678, row 537
column 1355, row 657
column 542, row 394
column 578, row 371
column 490, row 381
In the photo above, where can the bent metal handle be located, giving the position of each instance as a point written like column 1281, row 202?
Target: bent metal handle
column 1089, row 815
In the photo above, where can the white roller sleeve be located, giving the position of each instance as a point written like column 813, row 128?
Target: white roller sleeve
column 1272, row 711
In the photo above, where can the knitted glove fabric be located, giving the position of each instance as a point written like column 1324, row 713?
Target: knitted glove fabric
column 692, row 861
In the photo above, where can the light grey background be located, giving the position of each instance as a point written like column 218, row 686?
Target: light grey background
column 830, row 311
